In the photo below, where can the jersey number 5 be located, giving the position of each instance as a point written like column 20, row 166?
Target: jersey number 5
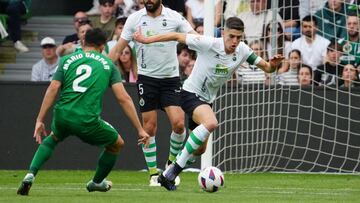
column 83, row 77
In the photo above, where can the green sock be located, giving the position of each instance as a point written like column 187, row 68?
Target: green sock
column 42, row 154
column 150, row 156
column 105, row 164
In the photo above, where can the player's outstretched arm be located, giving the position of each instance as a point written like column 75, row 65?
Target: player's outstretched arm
column 117, row 49
column 47, row 103
column 170, row 36
column 272, row 65
column 127, row 105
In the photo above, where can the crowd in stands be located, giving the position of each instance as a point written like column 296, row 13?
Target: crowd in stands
column 319, row 38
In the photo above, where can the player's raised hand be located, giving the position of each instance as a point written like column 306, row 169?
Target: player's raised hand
column 138, row 36
column 39, row 131
column 276, row 60
column 143, row 138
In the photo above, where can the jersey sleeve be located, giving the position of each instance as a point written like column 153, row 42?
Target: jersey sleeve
column 129, row 29
column 199, row 43
column 249, row 54
column 59, row 74
column 115, row 75
column 184, row 25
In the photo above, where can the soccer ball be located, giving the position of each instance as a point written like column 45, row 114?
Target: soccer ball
column 211, row 179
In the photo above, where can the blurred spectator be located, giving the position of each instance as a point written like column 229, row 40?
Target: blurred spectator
column 328, row 73
column 188, row 69
column 305, row 75
column 251, row 74
column 106, row 20
column 352, row 7
column 256, row 19
column 123, row 8
column 15, row 9
column 350, row 76
column 235, row 7
column 195, row 11
column 351, row 43
column 70, row 47
column 95, row 10
column 331, row 20
column 127, row 65
column 311, row 45
column 289, row 12
column 177, row 5
column 283, row 46
column 184, row 55
column 290, row 77
column 79, row 18
column 119, row 26
column 199, row 28
column 309, row 7
column 140, row 4
column 44, row 69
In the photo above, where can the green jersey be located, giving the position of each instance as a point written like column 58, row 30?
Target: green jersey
column 85, row 76
column 351, row 51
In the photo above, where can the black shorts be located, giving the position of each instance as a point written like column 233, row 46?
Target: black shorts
column 189, row 101
column 155, row 93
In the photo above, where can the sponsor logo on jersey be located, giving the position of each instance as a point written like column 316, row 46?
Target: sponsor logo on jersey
column 144, row 23
column 150, row 33
column 221, row 70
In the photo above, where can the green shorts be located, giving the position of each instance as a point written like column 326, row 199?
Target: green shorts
column 97, row 132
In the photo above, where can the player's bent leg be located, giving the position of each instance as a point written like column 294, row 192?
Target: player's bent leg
column 178, row 135
column 43, row 153
column 106, row 163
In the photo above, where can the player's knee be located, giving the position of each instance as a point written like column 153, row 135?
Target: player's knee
column 178, row 127
column 117, row 146
column 150, row 128
column 211, row 125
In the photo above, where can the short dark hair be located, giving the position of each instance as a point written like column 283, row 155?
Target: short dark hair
column 120, row 21
column 234, row 23
column 95, row 37
column 309, row 18
column 103, row 2
column 334, row 46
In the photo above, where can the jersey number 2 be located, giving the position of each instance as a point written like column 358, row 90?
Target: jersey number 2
column 83, row 77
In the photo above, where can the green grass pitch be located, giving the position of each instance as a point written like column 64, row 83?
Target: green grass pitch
column 130, row 186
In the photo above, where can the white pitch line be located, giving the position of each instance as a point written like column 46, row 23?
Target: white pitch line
column 67, row 188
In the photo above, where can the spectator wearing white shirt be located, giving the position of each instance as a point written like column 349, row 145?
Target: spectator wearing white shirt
column 44, row 69
column 255, row 19
column 312, row 46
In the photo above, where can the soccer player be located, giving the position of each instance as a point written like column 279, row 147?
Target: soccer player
column 82, row 79
column 158, row 76
column 217, row 60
